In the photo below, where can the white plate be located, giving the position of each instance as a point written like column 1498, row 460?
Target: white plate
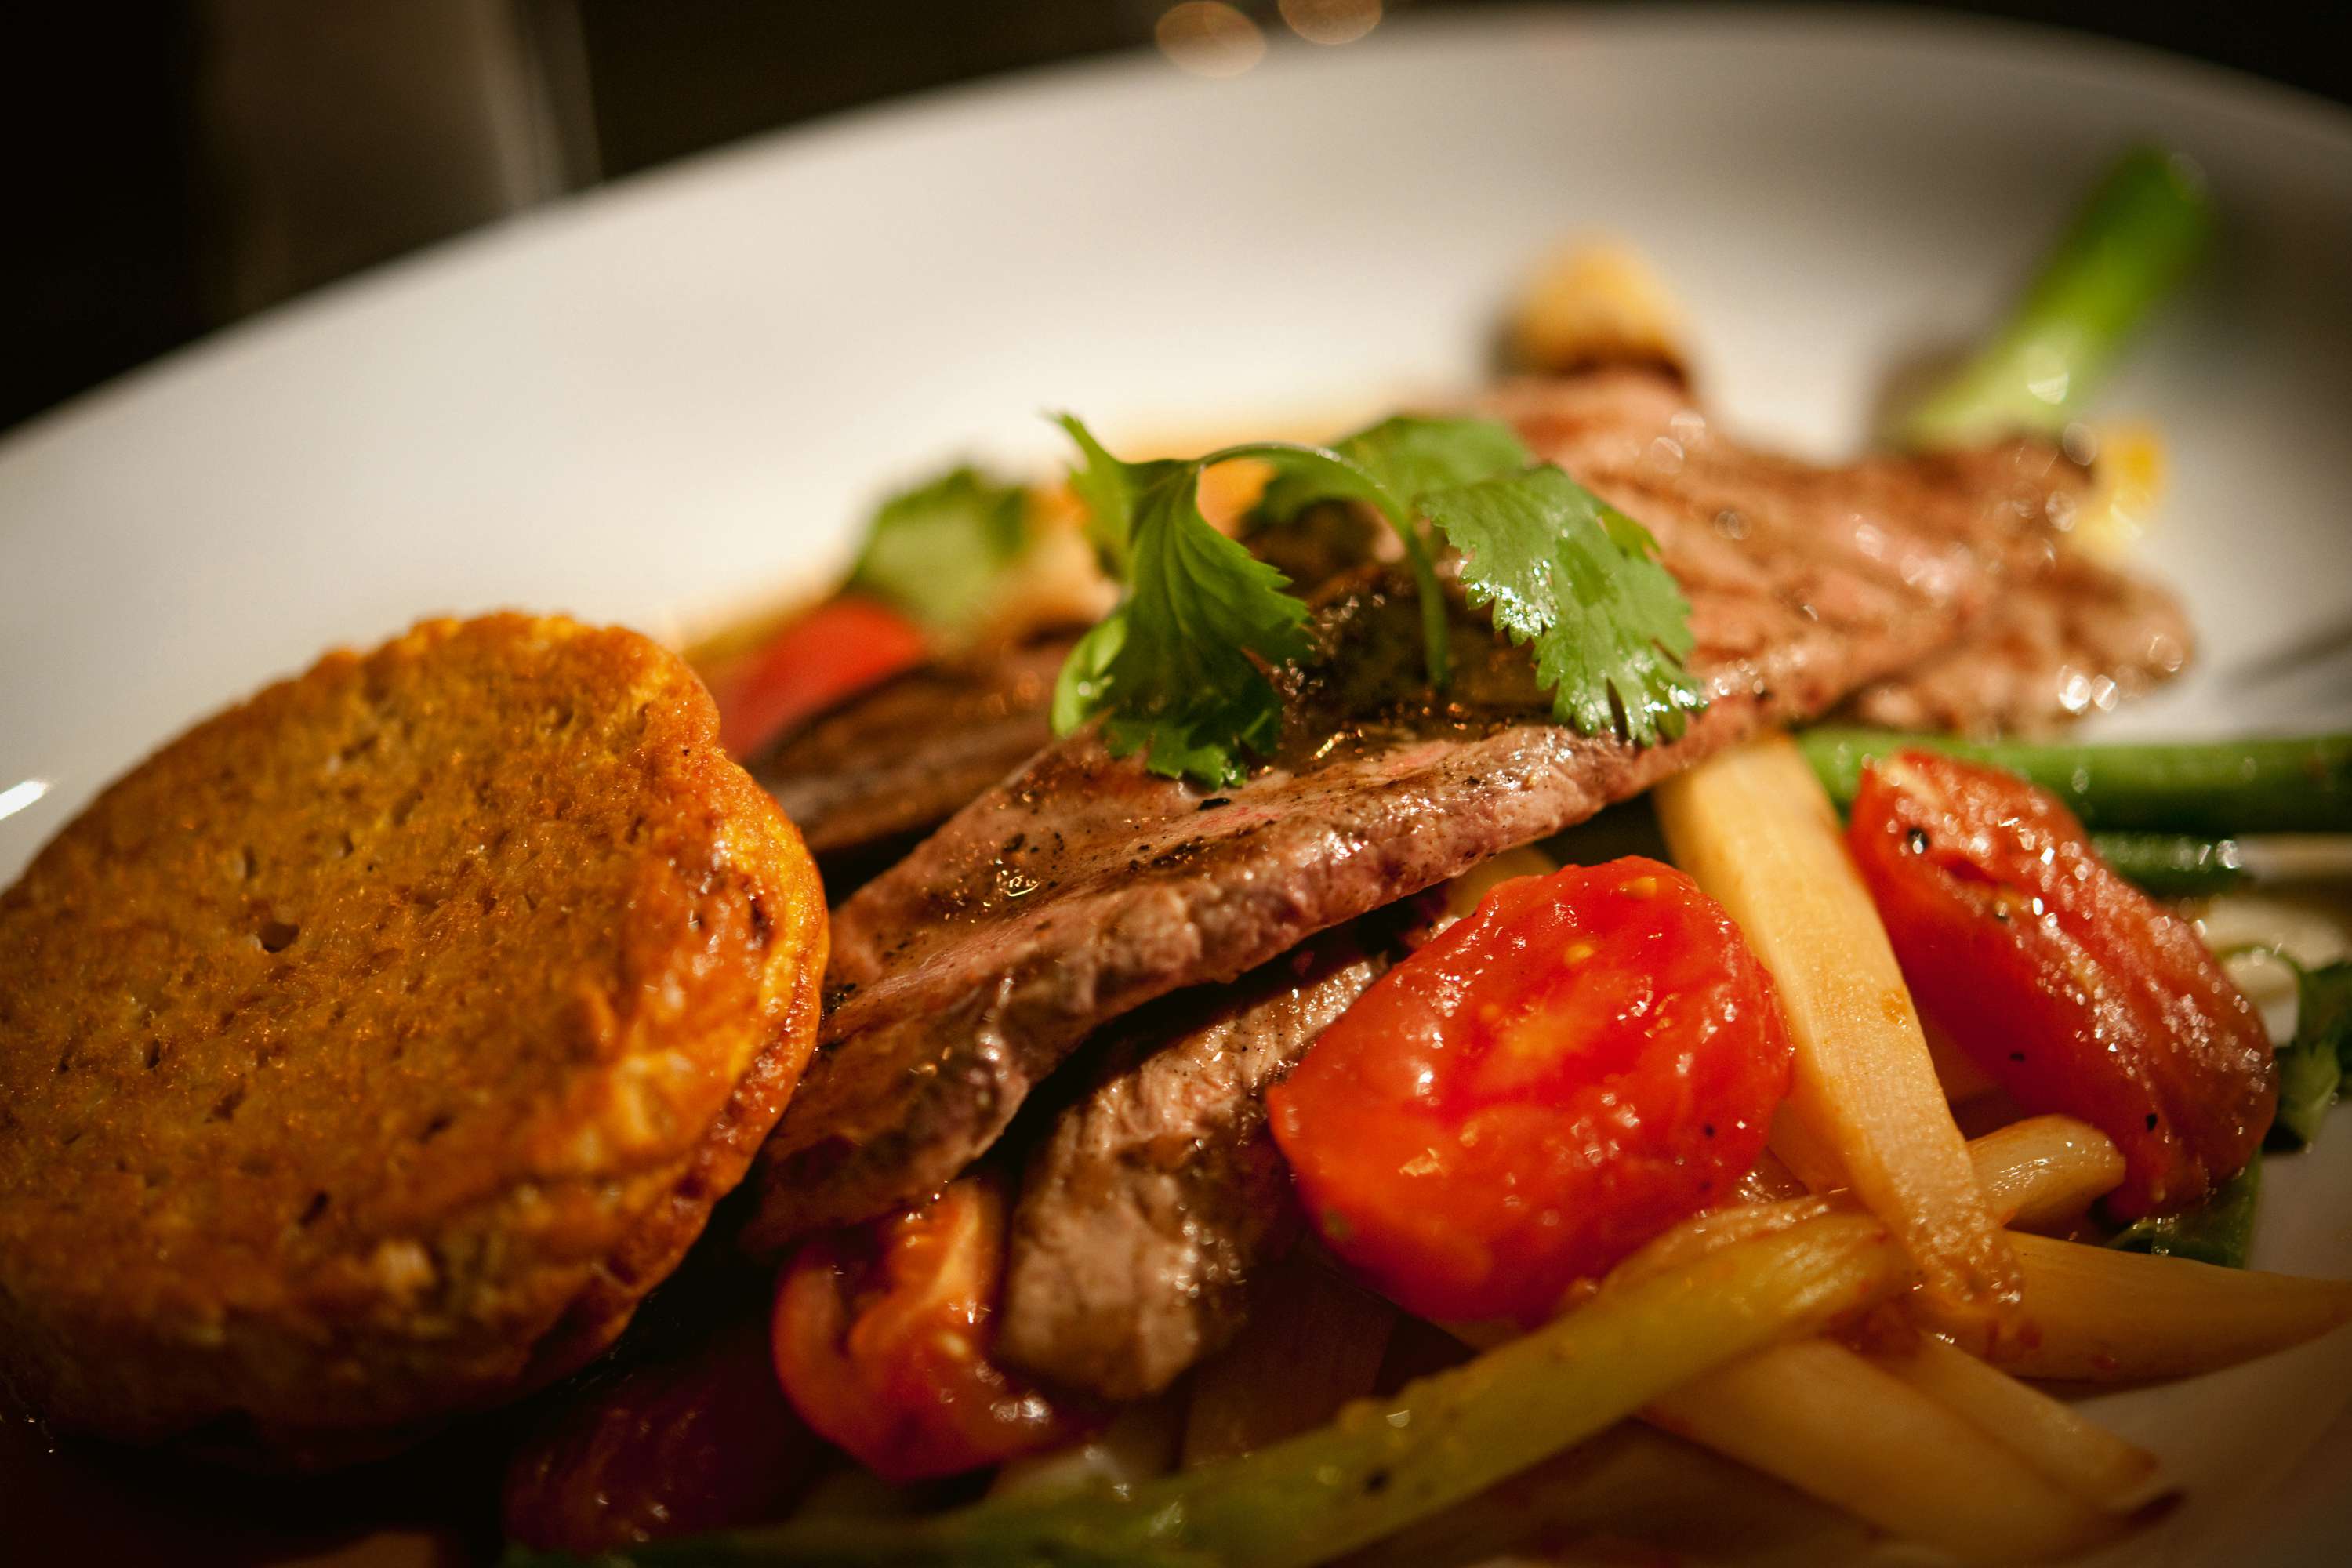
column 675, row 396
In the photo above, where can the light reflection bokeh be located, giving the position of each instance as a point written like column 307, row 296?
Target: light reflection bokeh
column 1331, row 21
column 1209, row 38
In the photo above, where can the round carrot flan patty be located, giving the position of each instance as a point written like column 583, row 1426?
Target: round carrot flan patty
column 369, row 1050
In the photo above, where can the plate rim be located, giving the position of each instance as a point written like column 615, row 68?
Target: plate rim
column 575, row 219
column 565, row 219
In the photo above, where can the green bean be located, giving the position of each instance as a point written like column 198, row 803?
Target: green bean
column 2136, row 235
column 1384, row 1464
column 2210, row 789
column 2176, row 865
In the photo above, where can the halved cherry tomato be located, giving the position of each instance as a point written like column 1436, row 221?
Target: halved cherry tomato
column 704, row 1443
column 1545, row 1084
column 2069, row 987
column 882, row 1341
column 836, row 651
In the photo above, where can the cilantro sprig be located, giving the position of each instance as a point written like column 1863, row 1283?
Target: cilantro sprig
column 2314, row 1064
column 1176, row 668
column 1580, row 580
column 1179, row 671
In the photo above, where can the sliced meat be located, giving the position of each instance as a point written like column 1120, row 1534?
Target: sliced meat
column 1083, row 886
column 904, row 758
column 1147, row 1205
column 2077, row 640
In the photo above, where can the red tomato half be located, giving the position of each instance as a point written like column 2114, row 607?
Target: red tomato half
column 702, row 1443
column 1545, row 1084
column 882, row 1341
column 836, row 651
column 2063, row 981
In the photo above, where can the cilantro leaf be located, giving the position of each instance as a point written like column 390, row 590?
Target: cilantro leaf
column 1405, row 457
column 937, row 550
column 2218, row 1231
column 2314, row 1063
column 1581, row 581
column 1081, row 689
column 1177, row 671
column 1108, row 489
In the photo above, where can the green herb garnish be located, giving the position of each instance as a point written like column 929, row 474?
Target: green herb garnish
column 1179, row 671
column 1580, row 580
column 2218, row 1231
column 939, row 550
column 1406, row 457
column 2314, row 1063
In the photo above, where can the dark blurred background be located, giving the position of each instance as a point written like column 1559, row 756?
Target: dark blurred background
column 176, row 165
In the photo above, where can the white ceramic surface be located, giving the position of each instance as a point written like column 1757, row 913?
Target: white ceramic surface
column 674, row 396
